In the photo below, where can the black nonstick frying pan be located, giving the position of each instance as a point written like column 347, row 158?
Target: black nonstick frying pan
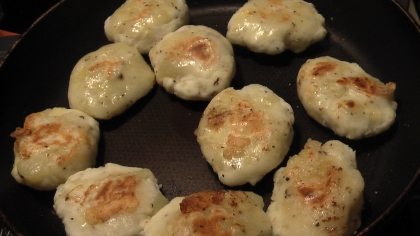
column 157, row 132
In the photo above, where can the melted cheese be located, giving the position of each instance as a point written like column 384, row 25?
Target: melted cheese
column 272, row 26
column 342, row 96
column 110, row 200
column 319, row 192
column 141, row 23
column 194, row 62
column 212, row 213
column 106, row 82
column 52, row 145
column 246, row 133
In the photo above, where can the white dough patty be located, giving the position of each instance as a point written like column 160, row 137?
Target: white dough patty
column 141, row 23
column 246, row 133
column 318, row 193
column 212, row 213
column 52, row 145
column 106, row 82
column 110, row 200
column 342, row 96
column 272, row 26
column 194, row 62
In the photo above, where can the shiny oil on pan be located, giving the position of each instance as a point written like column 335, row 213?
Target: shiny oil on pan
column 157, row 132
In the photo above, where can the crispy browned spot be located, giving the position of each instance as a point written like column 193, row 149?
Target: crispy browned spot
column 369, row 86
column 144, row 13
column 323, row 68
column 270, row 10
column 245, row 122
column 216, row 119
column 201, row 201
column 235, row 145
column 108, row 66
column 246, row 116
column 210, row 226
column 196, row 48
column 267, row 13
column 213, row 213
column 243, row 115
column 112, row 197
column 317, row 191
column 199, row 50
column 33, row 138
column 313, row 194
column 330, row 218
column 311, row 152
column 350, row 104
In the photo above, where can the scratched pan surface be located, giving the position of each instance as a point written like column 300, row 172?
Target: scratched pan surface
column 157, row 132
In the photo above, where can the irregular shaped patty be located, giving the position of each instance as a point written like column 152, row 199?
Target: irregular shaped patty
column 141, row 23
column 342, row 96
column 226, row 213
column 194, row 62
column 106, row 82
column 319, row 192
column 244, row 134
column 273, row 26
column 52, row 145
column 109, row 200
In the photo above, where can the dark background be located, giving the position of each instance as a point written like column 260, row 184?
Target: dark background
column 18, row 15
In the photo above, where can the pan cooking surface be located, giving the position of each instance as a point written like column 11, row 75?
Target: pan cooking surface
column 157, row 132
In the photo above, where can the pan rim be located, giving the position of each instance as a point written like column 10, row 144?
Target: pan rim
column 366, row 230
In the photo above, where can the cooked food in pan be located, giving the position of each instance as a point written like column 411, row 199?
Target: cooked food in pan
column 244, row 134
column 212, row 213
column 319, row 192
column 194, row 63
column 141, row 23
column 109, row 200
column 106, row 82
column 52, row 145
column 273, row 26
column 342, row 96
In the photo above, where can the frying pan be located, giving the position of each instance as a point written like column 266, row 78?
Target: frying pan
column 157, row 132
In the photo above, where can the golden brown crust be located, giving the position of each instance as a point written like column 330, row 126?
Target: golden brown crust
column 106, row 65
column 267, row 12
column 216, row 119
column 33, row 137
column 342, row 96
column 201, row 201
column 235, row 145
column 210, row 214
column 316, row 191
column 319, row 191
column 144, row 13
column 243, row 117
column 114, row 196
column 364, row 83
column 369, row 86
column 210, row 226
column 198, row 48
column 323, row 68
